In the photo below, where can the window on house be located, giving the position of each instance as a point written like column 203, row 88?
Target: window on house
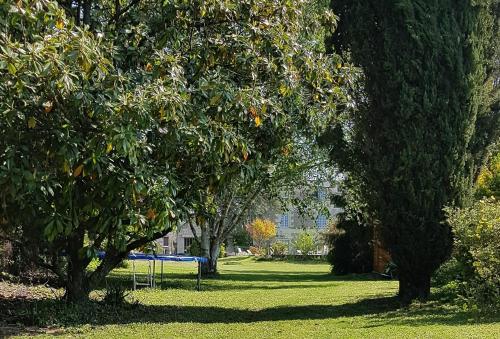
column 284, row 220
column 165, row 241
column 187, row 243
column 321, row 194
column 321, row 221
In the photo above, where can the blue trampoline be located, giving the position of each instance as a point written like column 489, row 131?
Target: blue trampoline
column 152, row 258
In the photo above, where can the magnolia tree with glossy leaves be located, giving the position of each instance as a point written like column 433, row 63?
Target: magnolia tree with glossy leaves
column 119, row 121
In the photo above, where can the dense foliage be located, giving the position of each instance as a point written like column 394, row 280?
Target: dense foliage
column 425, row 110
column 351, row 236
column 488, row 180
column 118, row 121
column 279, row 249
column 477, row 247
column 261, row 231
column 351, row 248
column 305, row 243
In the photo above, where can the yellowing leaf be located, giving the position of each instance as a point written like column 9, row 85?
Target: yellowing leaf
column 283, row 89
column 60, row 24
column 11, row 68
column 151, row 214
column 245, row 155
column 149, row 67
column 215, row 100
column 47, row 106
column 162, row 113
column 66, row 168
column 31, row 122
column 285, row 151
column 339, row 65
column 257, row 121
column 253, row 111
column 109, row 148
column 78, row 170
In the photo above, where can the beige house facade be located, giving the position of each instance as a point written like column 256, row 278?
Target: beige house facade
column 289, row 221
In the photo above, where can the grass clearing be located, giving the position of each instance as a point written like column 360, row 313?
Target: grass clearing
column 265, row 300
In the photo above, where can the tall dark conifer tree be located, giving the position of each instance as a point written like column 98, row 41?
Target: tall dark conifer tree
column 426, row 113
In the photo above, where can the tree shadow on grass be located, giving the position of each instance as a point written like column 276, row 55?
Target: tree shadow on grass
column 283, row 276
column 247, row 280
column 377, row 312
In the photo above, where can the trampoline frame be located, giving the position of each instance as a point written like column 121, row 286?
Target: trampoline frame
column 152, row 258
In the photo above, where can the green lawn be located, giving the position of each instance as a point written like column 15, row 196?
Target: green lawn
column 256, row 299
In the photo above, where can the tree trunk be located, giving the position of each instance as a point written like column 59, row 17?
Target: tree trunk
column 205, row 241
column 77, row 288
column 207, row 251
column 214, row 256
column 413, row 287
column 109, row 262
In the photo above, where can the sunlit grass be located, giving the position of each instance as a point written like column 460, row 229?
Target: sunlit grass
column 254, row 299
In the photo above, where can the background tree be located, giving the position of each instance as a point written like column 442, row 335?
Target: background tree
column 298, row 165
column 416, row 133
column 488, row 180
column 305, row 98
column 261, row 231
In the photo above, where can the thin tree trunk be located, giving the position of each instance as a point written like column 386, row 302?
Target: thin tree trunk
column 205, row 241
column 205, row 248
column 214, row 255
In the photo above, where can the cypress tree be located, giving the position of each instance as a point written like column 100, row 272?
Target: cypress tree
column 417, row 132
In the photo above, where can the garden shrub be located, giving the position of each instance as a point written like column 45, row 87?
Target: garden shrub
column 279, row 249
column 257, row 251
column 305, row 243
column 194, row 249
column 477, row 252
column 241, row 238
column 115, row 295
column 222, row 252
column 123, row 264
column 350, row 247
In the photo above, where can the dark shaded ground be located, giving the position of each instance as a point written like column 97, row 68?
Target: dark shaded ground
column 95, row 313
column 31, row 314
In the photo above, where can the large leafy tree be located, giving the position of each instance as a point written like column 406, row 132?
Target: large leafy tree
column 303, row 87
column 80, row 165
column 422, row 119
column 120, row 119
column 296, row 166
